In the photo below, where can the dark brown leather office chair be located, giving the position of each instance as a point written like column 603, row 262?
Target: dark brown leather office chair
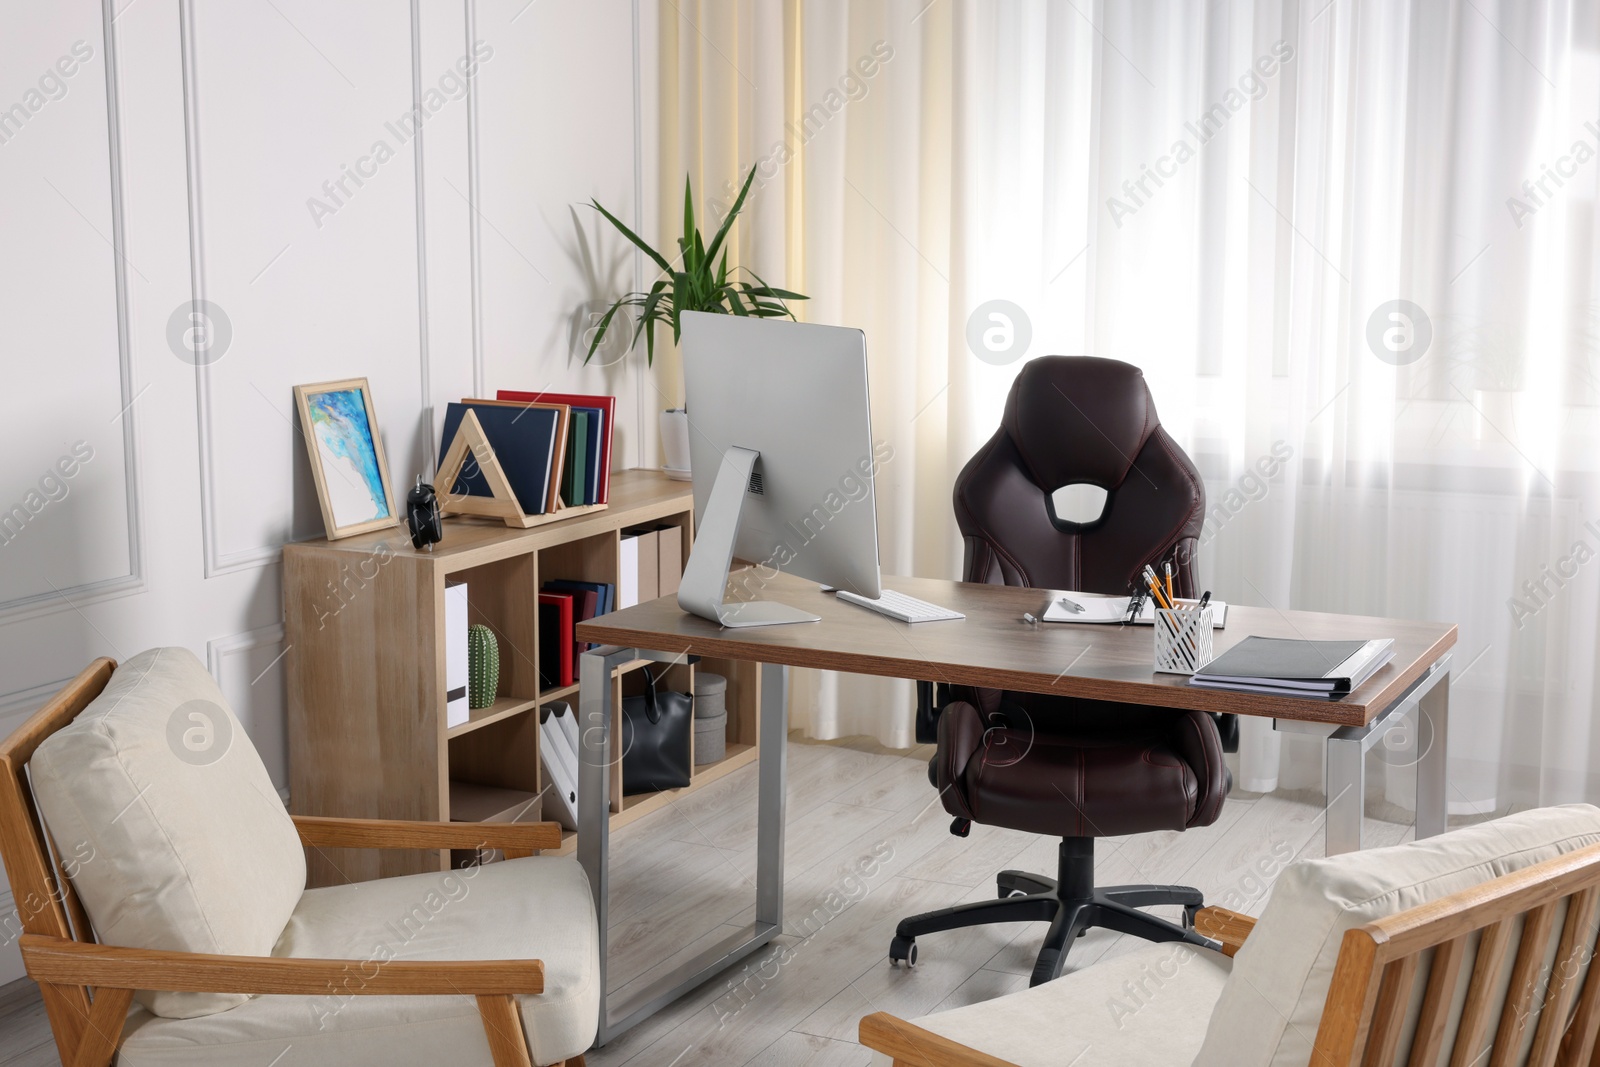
column 1077, row 769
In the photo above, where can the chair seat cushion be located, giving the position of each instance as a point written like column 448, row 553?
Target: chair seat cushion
column 1272, row 1007
column 1077, row 787
column 1144, row 1008
column 536, row 908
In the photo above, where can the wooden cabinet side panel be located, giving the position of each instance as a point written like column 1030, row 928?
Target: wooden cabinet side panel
column 366, row 699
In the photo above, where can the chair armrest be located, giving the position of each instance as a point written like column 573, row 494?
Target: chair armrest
column 514, row 838
column 911, row 1044
column 1221, row 924
column 57, row 960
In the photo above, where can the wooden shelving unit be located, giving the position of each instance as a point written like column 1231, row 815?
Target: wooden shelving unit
column 364, row 617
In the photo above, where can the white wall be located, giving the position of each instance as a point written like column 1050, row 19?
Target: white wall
column 177, row 162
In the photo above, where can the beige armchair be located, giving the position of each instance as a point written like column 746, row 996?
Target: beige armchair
column 161, row 887
column 1472, row 948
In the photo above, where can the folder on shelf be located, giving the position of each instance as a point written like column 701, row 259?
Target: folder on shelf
column 669, row 554
column 628, row 572
column 456, row 708
column 601, row 432
column 555, row 640
column 559, row 756
column 641, row 564
column 528, row 442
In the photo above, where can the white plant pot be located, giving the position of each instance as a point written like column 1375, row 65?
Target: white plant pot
column 675, row 441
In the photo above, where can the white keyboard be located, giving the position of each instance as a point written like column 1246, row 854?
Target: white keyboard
column 902, row 607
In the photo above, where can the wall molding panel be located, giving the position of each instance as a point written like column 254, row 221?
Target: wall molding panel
column 241, row 169
column 75, row 596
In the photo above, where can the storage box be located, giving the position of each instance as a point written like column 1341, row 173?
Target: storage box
column 710, row 737
column 710, row 695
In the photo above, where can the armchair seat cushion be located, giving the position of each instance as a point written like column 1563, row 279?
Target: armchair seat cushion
column 536, row 908
column 1145, row 1008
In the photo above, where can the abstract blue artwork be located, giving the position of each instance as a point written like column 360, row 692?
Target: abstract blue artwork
column 343, row 440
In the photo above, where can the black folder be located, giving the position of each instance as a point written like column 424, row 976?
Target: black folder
column 1296, row 668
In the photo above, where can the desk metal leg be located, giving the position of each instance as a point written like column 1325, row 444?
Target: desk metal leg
column 772, row 785
column 595, row 712
column 1346, row 788
column 594, row 785
column 1433, row 721
column 1346, row 749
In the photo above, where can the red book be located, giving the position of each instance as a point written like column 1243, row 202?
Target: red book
column 608, row 404
column 555, row 640
column 584, row 603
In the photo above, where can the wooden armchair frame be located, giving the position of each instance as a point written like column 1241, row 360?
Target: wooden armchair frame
column 87, row 987
column 1380, row 963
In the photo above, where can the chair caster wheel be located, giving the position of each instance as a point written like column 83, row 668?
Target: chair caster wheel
column 903, row 950
column 1189, row 913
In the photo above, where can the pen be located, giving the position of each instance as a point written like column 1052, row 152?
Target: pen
column 1135, row 607
column 1072, row 606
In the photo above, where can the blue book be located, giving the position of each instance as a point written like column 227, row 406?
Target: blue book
column 524, row 442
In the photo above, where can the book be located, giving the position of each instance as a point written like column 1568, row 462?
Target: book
column 563, row 434
column 456, row 708
column 555, row 639
column 1098, row 608
column 605, row 592
column 526, row 442
column 594, row 428
column 1292, row 667
column 585, row 605
column 577, row 478
column 602, row 432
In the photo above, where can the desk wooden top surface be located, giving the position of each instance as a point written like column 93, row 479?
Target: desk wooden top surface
column 993, row 647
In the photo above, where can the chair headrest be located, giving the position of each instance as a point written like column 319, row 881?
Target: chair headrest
column 1079, row 419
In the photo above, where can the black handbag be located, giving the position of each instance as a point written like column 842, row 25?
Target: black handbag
column 657, row 731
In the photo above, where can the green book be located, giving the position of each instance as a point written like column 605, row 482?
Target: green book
column 576, row 481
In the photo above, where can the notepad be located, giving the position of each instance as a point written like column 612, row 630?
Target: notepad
column 1114, row 609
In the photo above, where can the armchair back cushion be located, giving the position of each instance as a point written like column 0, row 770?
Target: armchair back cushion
column 1270, row 1008
column 167, row 822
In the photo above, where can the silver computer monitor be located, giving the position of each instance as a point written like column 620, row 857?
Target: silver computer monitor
column 780, row 442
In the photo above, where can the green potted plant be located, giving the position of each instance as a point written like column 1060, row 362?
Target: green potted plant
column 699, row 280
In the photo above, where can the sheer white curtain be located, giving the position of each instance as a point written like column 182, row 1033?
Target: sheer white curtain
column 1231, row 196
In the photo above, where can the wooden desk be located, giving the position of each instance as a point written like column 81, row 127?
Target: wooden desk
column 993, row 647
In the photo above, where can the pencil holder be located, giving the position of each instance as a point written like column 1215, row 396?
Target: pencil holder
column 1183, row 638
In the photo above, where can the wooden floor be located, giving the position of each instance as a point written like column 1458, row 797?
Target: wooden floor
column 866, row 844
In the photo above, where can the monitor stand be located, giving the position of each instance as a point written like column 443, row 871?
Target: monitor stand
column 705, row 578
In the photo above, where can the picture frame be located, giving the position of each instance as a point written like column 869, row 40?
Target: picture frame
column 340, row 428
